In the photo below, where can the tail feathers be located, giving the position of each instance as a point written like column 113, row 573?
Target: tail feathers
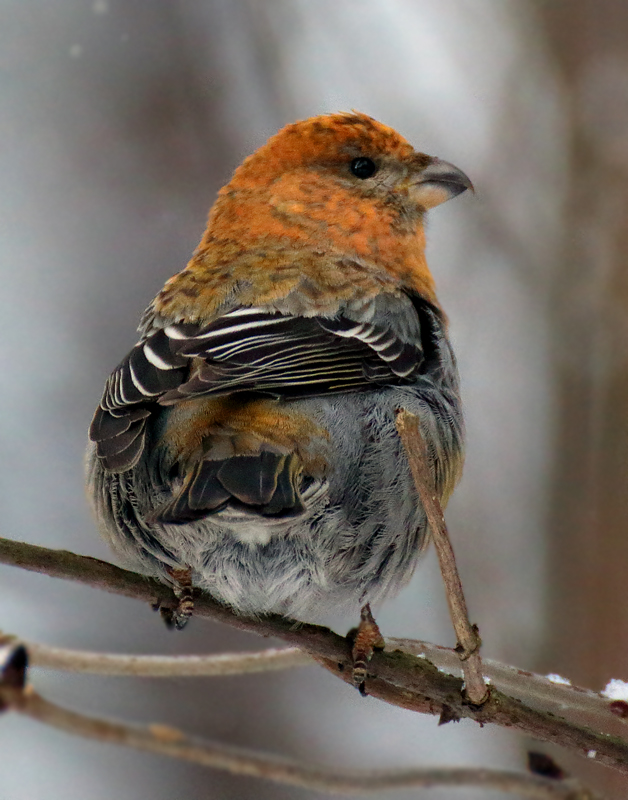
column 268, row 483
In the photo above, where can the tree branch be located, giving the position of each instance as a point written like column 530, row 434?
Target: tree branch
column 396, row 677
column 468, row 637
column 168, row 741
column 67, row 660
column 539, row 691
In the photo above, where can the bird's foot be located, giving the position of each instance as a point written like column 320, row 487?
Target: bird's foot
column 367, row 638
column 179, row 616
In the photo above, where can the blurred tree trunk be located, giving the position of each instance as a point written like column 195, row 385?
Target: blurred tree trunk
column 587, row 638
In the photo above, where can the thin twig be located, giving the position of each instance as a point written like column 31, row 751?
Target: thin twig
column 467, row 634
column 163, row 666
column 168, row 741
column 394, row 677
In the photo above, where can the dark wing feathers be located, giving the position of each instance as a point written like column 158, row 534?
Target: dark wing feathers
column 248, row 349
column 107, row 425
column 267, row 482
column 131, row 442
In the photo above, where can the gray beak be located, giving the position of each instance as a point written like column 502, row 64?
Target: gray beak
column 447, row 176
column 437, row 183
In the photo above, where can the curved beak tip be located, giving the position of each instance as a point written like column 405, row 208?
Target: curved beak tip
column 448, row 176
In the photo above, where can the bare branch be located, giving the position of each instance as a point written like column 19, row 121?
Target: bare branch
column 395, row 677
column 60, row 658
column 468, row 638
column 116, row 580
column 168, row 741
column 539, row 691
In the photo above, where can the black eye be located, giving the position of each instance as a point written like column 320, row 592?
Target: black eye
column 363, row 168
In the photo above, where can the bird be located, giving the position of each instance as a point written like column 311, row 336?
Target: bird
column 246, row 446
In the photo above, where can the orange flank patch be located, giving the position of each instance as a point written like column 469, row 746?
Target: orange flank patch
column 228, row 426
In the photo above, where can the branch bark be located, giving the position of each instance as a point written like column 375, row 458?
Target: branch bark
column 539, row 691
column 469, row 641
column 66, row 660
column 168, row 741
column 395, row 677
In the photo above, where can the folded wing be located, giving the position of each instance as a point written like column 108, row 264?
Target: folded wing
column 245, row 350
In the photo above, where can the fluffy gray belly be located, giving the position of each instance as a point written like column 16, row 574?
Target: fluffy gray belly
column 358, row 541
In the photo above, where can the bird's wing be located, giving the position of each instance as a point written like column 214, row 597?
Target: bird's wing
column 245, row 350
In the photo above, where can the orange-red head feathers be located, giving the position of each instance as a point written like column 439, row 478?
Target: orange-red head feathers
column 330, row 207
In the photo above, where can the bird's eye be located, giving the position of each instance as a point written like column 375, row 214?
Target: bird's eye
column 363, row 168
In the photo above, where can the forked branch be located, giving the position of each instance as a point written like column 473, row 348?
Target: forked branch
column 16, row 695
column 396, row 677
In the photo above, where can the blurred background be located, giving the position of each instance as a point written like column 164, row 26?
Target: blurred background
column 119, row 120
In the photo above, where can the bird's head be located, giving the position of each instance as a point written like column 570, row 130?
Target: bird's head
column 335, row 202
column 350, row 158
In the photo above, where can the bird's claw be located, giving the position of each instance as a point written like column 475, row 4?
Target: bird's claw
column 179, row 616
column 367, row 639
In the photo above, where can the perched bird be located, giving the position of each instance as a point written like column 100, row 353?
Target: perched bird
column 247, row 443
